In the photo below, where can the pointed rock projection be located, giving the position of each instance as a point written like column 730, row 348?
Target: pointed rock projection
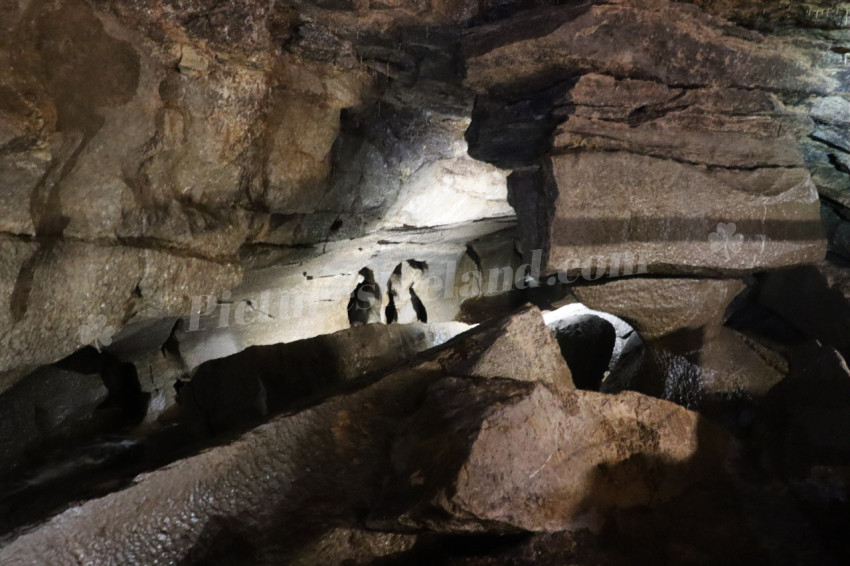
column 519, row 346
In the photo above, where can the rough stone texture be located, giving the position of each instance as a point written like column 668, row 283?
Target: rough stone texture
column 651, row 171
column 185, row 131
column 205, row 131
column 541, row 462
column 653, row 153
column 827, row 154
column 732, row 365
column 567, row 41
column 69, row 286
column 236, row 500
column 694, row 367
column 666, row 215
column 152, row 150
column 519, row 346
column 656, row 307
column 264, row 380
column 352, row 547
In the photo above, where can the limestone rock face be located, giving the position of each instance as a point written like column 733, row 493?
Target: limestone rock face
column 674, row 218
column 673, row 164
column 566, row 42
column 180, row 143
column 192, row 188
column 64, row 295
column 678, row 166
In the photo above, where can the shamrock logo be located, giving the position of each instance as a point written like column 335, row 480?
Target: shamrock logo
column 726, row 240
column 96, row 332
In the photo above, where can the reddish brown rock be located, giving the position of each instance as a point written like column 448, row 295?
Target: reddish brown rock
column 519, row 346
column 503, row 456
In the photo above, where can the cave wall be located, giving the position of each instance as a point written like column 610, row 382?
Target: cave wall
column 183, row 181
column 147, row 149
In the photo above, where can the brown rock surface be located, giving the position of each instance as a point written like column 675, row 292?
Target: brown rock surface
column 326, row 464
column 323, row 463
column 568, row 41
column 656, row 307
column 519, row 346
column 531, row 459
column 667, row 214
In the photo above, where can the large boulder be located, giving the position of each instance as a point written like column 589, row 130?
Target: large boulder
column 511, row 457
column 519, row 457
column 629, row 165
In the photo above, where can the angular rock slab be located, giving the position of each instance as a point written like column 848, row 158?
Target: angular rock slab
column 237, row 500
column 669, row 217
column 657, row 307
column 326, row 463
column 732, row 364
column 508, row 456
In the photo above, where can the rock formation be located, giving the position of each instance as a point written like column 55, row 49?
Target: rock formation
column 612, row 238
